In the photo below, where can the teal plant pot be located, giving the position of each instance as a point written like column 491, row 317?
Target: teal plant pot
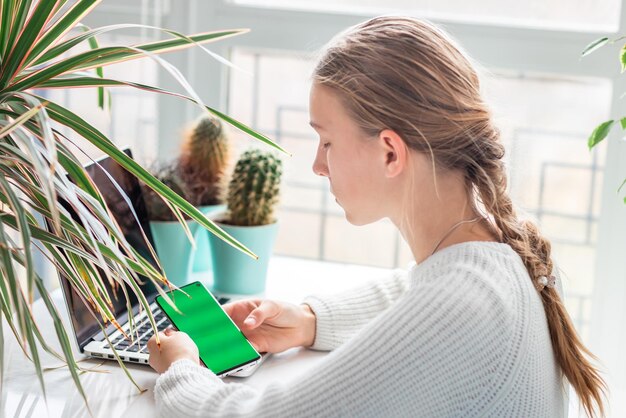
column 238, row 273
column 202, row 256
column 174, row 249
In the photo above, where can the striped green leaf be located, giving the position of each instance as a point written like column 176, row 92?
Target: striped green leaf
column 24, row 230
column 85, row 81
column 20, row 46
column 61, row 27
column 10, row 127
column 65, row 46
column 104, row 56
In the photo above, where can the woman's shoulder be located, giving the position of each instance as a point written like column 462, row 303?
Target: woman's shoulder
column 477, row 253
column 474, row 308
column 492, row 262
column 477, row 272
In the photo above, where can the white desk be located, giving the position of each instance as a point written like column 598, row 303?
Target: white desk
column 110, row 392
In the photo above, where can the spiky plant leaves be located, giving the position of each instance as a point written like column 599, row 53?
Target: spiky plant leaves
column 37, row 38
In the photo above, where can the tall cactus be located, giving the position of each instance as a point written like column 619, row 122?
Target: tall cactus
column 203, row 161
column 253, row 189
column 157, row 209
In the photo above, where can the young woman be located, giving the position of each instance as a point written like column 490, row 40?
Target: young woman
column 476, row 327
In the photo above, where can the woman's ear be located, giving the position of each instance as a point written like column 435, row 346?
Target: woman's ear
column 395, row 152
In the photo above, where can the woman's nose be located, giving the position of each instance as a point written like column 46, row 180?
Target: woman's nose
column 319, row 164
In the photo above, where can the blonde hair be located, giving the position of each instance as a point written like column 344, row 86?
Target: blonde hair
column 407, row 75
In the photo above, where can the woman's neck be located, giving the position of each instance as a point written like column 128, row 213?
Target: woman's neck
column 429, row 235
column 443, row 215
column 431, row 240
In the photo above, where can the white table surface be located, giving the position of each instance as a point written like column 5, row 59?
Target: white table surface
column 110, row 392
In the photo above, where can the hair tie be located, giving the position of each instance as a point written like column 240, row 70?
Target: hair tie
column 546, row 281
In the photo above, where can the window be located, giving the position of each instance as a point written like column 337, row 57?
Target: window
column 553, row 178
column 579, row 15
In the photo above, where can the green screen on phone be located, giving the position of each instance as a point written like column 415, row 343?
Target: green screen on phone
column 222, row 346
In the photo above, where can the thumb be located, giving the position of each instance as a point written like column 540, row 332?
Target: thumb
column 169, row 331
column 266, row 309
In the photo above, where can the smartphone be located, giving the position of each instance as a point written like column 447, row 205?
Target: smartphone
column 223, row 348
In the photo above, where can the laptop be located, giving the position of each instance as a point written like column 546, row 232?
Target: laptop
column 89, row 336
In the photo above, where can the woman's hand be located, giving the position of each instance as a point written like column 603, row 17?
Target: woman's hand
column 273, row 326
column 175, row 345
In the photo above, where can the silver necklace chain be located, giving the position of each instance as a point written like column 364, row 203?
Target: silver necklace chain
column 455, row 226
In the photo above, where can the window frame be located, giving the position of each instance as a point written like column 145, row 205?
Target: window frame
column 537, row 50
column 555, row 52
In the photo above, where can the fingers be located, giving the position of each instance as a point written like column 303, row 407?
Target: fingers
column 152, row 342
column 239, row 310
column 229, row 308
column 267, row 309
column 175, row 345
column 234, row 308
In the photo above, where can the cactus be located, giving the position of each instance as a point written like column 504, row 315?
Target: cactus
column 155, row 205
column 203, row 160
column 253, row 189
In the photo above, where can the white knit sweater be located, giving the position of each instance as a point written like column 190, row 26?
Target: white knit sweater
column 464, row 334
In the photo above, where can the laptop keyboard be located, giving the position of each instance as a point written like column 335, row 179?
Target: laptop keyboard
column 143, row 332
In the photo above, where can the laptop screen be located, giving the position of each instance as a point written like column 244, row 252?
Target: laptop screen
column 85, row 325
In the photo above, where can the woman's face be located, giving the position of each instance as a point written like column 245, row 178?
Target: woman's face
column 351, row 161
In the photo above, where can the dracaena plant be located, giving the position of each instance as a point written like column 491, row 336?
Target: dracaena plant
column 37, row 51
column 603, row 129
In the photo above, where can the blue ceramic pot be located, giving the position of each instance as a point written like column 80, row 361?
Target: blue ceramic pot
column 174, row 249
column 235, row 272
column 202, row 257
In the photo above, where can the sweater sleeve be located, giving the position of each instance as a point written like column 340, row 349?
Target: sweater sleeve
column 436, row 352
column 341, row 316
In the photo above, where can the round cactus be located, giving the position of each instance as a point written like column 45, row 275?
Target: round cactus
column 203, row 161
column 253, row 189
